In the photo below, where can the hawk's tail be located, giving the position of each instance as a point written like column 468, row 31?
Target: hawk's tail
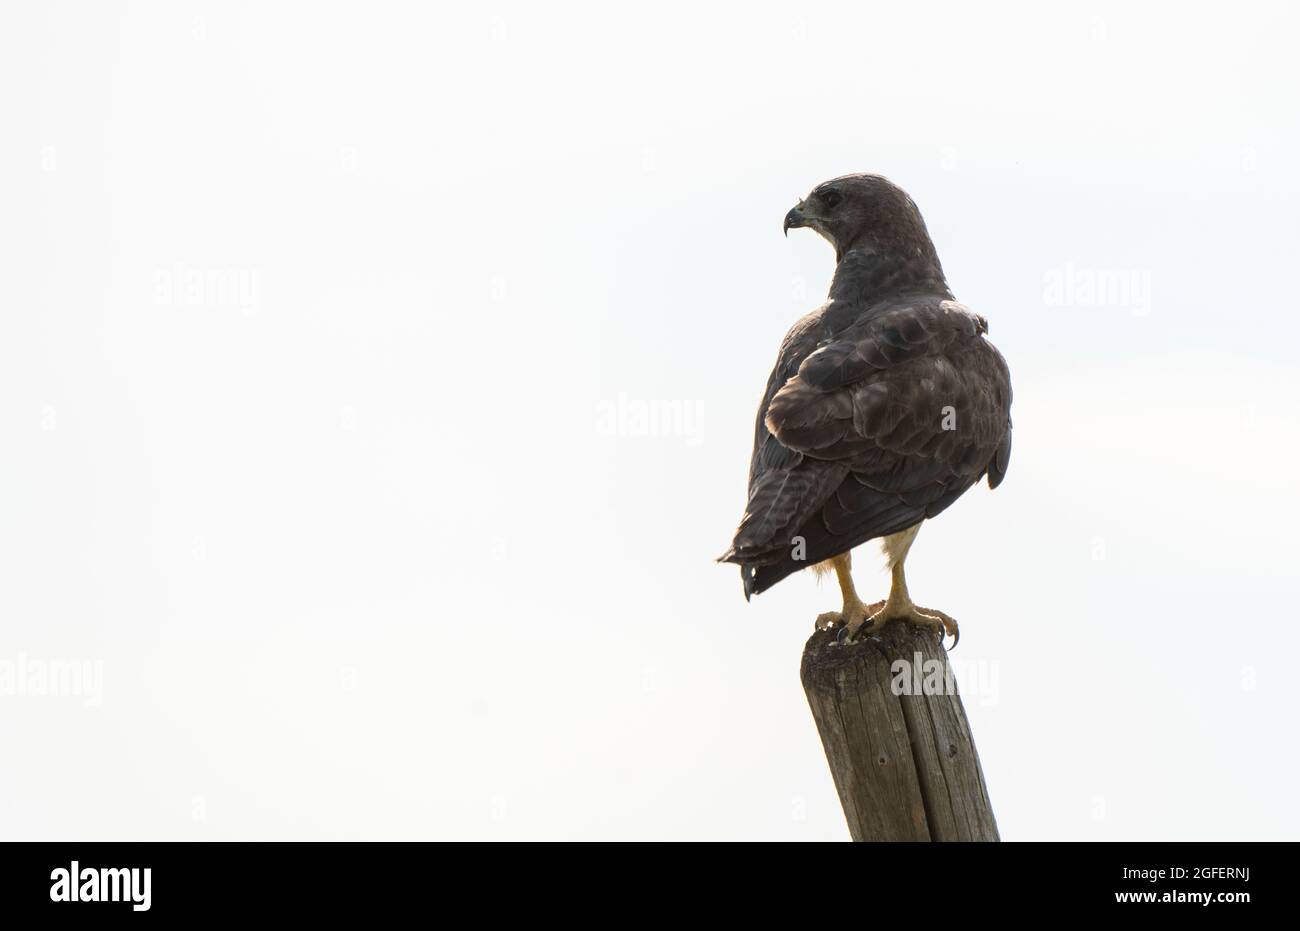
column 748, row 571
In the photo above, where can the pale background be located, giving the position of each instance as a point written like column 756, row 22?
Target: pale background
column 328, row 335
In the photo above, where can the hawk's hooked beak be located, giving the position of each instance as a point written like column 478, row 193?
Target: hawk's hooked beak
column 794, row 218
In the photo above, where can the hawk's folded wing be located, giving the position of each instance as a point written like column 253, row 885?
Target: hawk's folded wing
column 885, row 423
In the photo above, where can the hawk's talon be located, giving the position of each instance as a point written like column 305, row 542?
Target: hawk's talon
column 875, row 621
column 847, row 622
column 938, row 618
column 850, row 635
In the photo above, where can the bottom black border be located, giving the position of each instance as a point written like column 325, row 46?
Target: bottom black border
column 370, row 880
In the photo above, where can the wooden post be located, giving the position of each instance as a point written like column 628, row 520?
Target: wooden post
column 905, row 765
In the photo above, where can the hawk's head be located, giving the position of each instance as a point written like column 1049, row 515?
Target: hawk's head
column 866, row 212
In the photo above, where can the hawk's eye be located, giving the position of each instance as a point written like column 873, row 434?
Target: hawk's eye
column 831, row 199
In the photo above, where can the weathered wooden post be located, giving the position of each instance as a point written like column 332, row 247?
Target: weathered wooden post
column 905, row 765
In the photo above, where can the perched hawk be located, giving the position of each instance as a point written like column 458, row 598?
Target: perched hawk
column 886, row 404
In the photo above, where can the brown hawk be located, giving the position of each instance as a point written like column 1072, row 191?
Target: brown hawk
column 885, row 405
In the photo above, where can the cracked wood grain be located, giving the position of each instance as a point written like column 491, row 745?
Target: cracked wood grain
column 905, row 766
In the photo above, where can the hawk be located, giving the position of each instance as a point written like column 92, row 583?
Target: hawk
column 886, row 404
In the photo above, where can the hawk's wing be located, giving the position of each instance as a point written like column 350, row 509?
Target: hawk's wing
column 883, row 424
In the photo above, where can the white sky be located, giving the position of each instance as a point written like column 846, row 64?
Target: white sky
column 360, row 532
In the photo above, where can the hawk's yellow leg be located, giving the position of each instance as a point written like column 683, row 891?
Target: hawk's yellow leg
column 855, row 612
column 897, row 607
